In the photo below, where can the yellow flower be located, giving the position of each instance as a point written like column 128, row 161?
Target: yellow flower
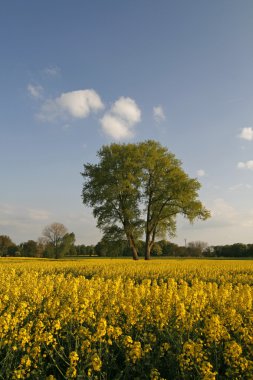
column 57, row 325
column 26, row 361
column 135, row 352
column 96, row 362
column 73, row 356
column 128, row 341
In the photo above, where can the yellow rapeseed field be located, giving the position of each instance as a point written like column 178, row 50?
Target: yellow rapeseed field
column 120, row 319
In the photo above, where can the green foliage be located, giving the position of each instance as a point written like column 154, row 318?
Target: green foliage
column 29, row 249
column 67, row 245
column 84, row 250
column 114, row 248
column 57, row 241
column 138, row 189
column 233, row 250
column 111, row 188
column 6, row 245
column 166, row 191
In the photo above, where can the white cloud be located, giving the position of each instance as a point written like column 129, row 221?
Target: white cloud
column 158, row 114
column 52, row 71
column 35, row 90
column 201, row 173
column 127, row 110
column 115, row 127
column 247, row 133
column 245, row 165
column 76, row 104
column 80, row 103
column 119, row 121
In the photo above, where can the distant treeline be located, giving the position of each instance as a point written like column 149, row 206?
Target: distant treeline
column 119, row 248
column 40, row 248
column 166, row 248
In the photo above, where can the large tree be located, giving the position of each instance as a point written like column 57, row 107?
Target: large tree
column 166, row 191
column 140, row 188
column 111, row 188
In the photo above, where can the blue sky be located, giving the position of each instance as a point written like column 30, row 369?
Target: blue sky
column 77, row 75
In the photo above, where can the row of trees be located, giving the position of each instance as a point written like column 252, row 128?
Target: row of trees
column 53, row 247
column 165, row 248
column 234, row 250
column 55, row 242
column 138, row 190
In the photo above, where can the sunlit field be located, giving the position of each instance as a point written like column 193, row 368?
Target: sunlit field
column 120, row 319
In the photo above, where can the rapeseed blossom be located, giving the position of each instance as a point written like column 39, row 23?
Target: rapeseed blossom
column 99, row 319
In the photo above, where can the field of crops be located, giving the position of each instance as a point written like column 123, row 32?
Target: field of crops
column 120, row 319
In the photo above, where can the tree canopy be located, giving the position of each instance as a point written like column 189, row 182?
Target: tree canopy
column 5, row 244
column 137, row 189
column 57, row 240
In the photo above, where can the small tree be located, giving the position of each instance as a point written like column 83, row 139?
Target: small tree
column 67, row 245
column 29, row 249
column 168, row 248
column 196, row 248
column 5, row 244
column 53, row 235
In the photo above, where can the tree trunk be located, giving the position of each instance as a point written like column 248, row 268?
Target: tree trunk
column 133, row 247
column 147, row 246
column 148, row 233
column 147, row 252
column 56, row 252
column 135, row 254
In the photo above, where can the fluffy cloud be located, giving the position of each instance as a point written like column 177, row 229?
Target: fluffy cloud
column 35, row 90
column 201, row 173
column 119, row 121
column 158, row 114
column 75, row 104
column 127, row 110
column 245, row 165
column 115, row 127
column 247, row 133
